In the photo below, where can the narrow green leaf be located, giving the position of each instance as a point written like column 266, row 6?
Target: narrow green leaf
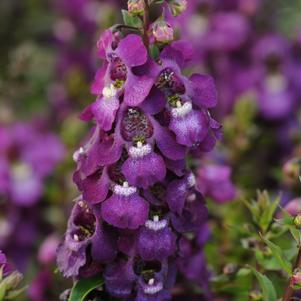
column 278, row 254
column 83, row 287
column 12, row 295
column 266, row 285
column 131, row 20
column 2, row 290
column 268, row 213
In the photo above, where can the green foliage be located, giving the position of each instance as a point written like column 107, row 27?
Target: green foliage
column 279, row 256
column 262, row 210
column 261, row 241
column 131, row 20
column 83, row 287
column 266, row 286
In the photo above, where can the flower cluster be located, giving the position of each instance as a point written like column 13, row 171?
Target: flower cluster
column 28, row 154
column 245, row 62
column 139, row 218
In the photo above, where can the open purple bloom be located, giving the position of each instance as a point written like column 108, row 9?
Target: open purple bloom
column 156, row 240
column 120, row 278
column 84, row 228
column 125, row 208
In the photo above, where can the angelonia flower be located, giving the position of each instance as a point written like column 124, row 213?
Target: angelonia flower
column 214, row 181
column 29, row 153
column 138, row 219
column 28, row 156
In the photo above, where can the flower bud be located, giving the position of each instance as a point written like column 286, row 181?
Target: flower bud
column 293, row 207
column 136, row 7
column 13, row 280
column 163, row 32
column 297, row 221
column 296, row 279
column 178, row 6
column 291, row 171
column 230, row 269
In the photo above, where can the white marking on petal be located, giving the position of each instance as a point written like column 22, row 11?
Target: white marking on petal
column 191, row 180
column 76, row 237
column 109, row 91
column 181, row 111
column 191, row 198
column 151, row 281
column 124, row 190
column 276, row 83
column 78, row 153
column 140, row 151
column 155, row 224
column 156, row 218
column 153, row 289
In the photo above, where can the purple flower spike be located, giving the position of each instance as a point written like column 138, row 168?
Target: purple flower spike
column 156, row 240
column 125, row 209
column 144, row 167
column 138, row 194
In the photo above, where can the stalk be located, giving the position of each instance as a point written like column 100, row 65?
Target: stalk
column 289, row 291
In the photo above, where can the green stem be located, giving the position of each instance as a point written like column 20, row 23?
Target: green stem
column 289, row 291
column 146, row 23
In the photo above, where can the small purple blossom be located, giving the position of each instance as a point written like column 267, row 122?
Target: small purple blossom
column 214, row 181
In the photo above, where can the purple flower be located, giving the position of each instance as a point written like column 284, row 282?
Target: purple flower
column 214, row 181
column 118, row 78
column 26, row 162
column 156, row 240
column 84, row 228
column 125, row 208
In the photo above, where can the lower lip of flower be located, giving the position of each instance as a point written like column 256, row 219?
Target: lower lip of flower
column 152, row 289
column 124, row 190
column 156, row 225
column 181, row 110
column 140, row 151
